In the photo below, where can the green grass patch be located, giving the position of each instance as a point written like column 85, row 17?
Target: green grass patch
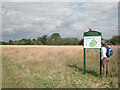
column 27, row 74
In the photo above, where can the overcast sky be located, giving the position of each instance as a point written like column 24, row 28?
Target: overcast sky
column 30, row 20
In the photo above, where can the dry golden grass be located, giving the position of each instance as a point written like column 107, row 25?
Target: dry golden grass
column 42, row 55
column 39, row 53
column 55, row 66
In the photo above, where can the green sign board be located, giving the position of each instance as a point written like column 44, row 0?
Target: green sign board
column 92, row 33
column 92, row 40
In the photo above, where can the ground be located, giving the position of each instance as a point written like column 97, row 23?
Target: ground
column 55, row 67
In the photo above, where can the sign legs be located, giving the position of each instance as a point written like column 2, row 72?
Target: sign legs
column 84, row 62
column 100, row 63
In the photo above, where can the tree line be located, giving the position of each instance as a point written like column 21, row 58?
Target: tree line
column 55, row 39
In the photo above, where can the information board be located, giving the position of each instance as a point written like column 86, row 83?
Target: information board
column 92, row 42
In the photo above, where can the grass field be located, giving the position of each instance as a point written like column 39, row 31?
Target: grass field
column 55, row 67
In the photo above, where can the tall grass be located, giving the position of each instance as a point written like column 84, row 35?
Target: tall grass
column 55, row 67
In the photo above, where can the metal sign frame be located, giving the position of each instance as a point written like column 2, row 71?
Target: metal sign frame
column 90, row 33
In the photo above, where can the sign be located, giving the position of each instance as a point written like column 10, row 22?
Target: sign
column 92, row 33
column 92, row 42
column 92, row 39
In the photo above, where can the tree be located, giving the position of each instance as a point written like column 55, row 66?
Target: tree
column 10, row 42
column 55, row 36
column 44, row 39
column 39, row 41
column 33, row 42
column 115, row 40
column 81, row 42
column 55, row 39
column 28, row 42
column 0, row 43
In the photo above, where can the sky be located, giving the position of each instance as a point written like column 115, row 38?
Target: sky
column 69, row 19
column 59, row 0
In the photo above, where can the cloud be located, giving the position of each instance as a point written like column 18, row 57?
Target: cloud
column 30, row 20
column 61, row 1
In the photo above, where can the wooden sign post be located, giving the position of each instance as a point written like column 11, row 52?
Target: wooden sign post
column 92, row 40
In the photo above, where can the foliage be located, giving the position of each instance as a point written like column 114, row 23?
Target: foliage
column 55, row 39
column 115, row 40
